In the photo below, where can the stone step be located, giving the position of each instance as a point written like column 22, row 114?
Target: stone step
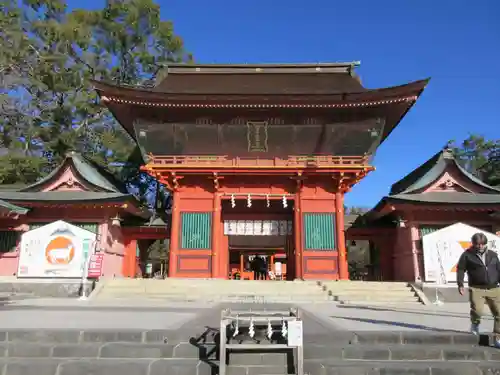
column 407, row 352
column 338, row 338
column 221, row 287
column 215, row 292
column 188, row 351
column 368, row 298
column 367, row 290
column 406, row 304
column 219, row 299
column 374, row 296
column 190, row 367
column 375, row 292
column 362, row 286
column 203, row 282
column 23, row 366
column 400, row 368
column 209, row 292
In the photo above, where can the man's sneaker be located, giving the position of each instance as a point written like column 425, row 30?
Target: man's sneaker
column 474, row 328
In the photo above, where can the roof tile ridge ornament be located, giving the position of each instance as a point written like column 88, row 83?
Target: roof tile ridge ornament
column 352, row 69
column 448, row 153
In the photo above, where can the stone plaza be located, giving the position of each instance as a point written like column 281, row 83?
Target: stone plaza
column 153, row 337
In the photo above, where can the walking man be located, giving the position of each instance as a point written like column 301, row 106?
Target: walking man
column 483, row 270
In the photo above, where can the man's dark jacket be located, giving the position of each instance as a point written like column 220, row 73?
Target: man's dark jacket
column 481, row 275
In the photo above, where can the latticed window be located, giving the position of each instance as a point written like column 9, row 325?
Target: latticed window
column 196, row 230
column 9, row 240
column 428, row 229
column 319, row 231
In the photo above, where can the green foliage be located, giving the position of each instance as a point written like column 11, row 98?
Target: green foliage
column 48, row 58
column 356, row 210
column 480, row 157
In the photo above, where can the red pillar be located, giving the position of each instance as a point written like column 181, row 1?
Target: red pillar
column 129, row 258
column 217, row 259
column 174, row 235
column 340, row 234
column 297, row 230
column 133, row 259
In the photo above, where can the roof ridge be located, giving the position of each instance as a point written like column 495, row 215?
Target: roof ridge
column 277, row 65
column 103, row 171
column 399, row 186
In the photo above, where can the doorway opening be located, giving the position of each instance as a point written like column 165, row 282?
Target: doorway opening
column 259, row 258
column 260, row 239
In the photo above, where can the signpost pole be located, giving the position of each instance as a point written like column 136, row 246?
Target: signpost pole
column 83, row 294
column 85, row 272
column 442, row 274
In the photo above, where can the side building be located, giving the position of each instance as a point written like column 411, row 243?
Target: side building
column 437, row 194
column 81, row 193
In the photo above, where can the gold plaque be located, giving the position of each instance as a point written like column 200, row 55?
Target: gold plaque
column 257, row 136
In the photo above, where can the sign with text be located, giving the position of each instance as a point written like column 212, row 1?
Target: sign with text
column 443, row 248
column 56, row 250
column 258, row 227
column 295, row 333
column 95, row 266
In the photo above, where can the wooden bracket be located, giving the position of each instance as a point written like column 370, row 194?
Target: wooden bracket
column 340, row 181
column 299, row 180
column 175, row 180
column 216, row 179
column 164, row 180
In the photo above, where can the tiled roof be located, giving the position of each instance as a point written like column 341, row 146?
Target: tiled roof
column 430, row 171
column 61, row 196
column 88, row 170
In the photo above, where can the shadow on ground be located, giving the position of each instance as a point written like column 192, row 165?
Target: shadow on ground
column 400, row 310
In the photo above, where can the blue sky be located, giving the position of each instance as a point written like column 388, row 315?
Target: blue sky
column 456, row 43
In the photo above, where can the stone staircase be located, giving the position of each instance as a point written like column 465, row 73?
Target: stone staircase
column 368, row 292
column 211, row 290
column 65, row 352
column 216, row 290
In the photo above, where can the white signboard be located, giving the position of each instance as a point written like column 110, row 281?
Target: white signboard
column 266, row 228
column 295, row 333
column 443, row 248
column 277, row 268
column 258, row 227
column 55, row 250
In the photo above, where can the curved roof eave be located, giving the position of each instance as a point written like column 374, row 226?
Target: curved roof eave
column 13, row 208
column 413, row 88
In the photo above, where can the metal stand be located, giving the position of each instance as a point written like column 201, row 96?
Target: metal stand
column 271, row 319
column 437, row 301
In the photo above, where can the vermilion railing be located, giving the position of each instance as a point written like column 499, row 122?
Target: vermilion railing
column 226, row 161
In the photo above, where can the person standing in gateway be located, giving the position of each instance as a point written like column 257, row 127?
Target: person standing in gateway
column 483, row 271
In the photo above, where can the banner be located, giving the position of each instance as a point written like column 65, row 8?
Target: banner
column 95, row 266
column 56, row 250
column 443, row 248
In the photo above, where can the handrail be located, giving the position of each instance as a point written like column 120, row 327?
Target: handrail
column 226, row 161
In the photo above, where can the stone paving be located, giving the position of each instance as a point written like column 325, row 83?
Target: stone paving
column 448, row 317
